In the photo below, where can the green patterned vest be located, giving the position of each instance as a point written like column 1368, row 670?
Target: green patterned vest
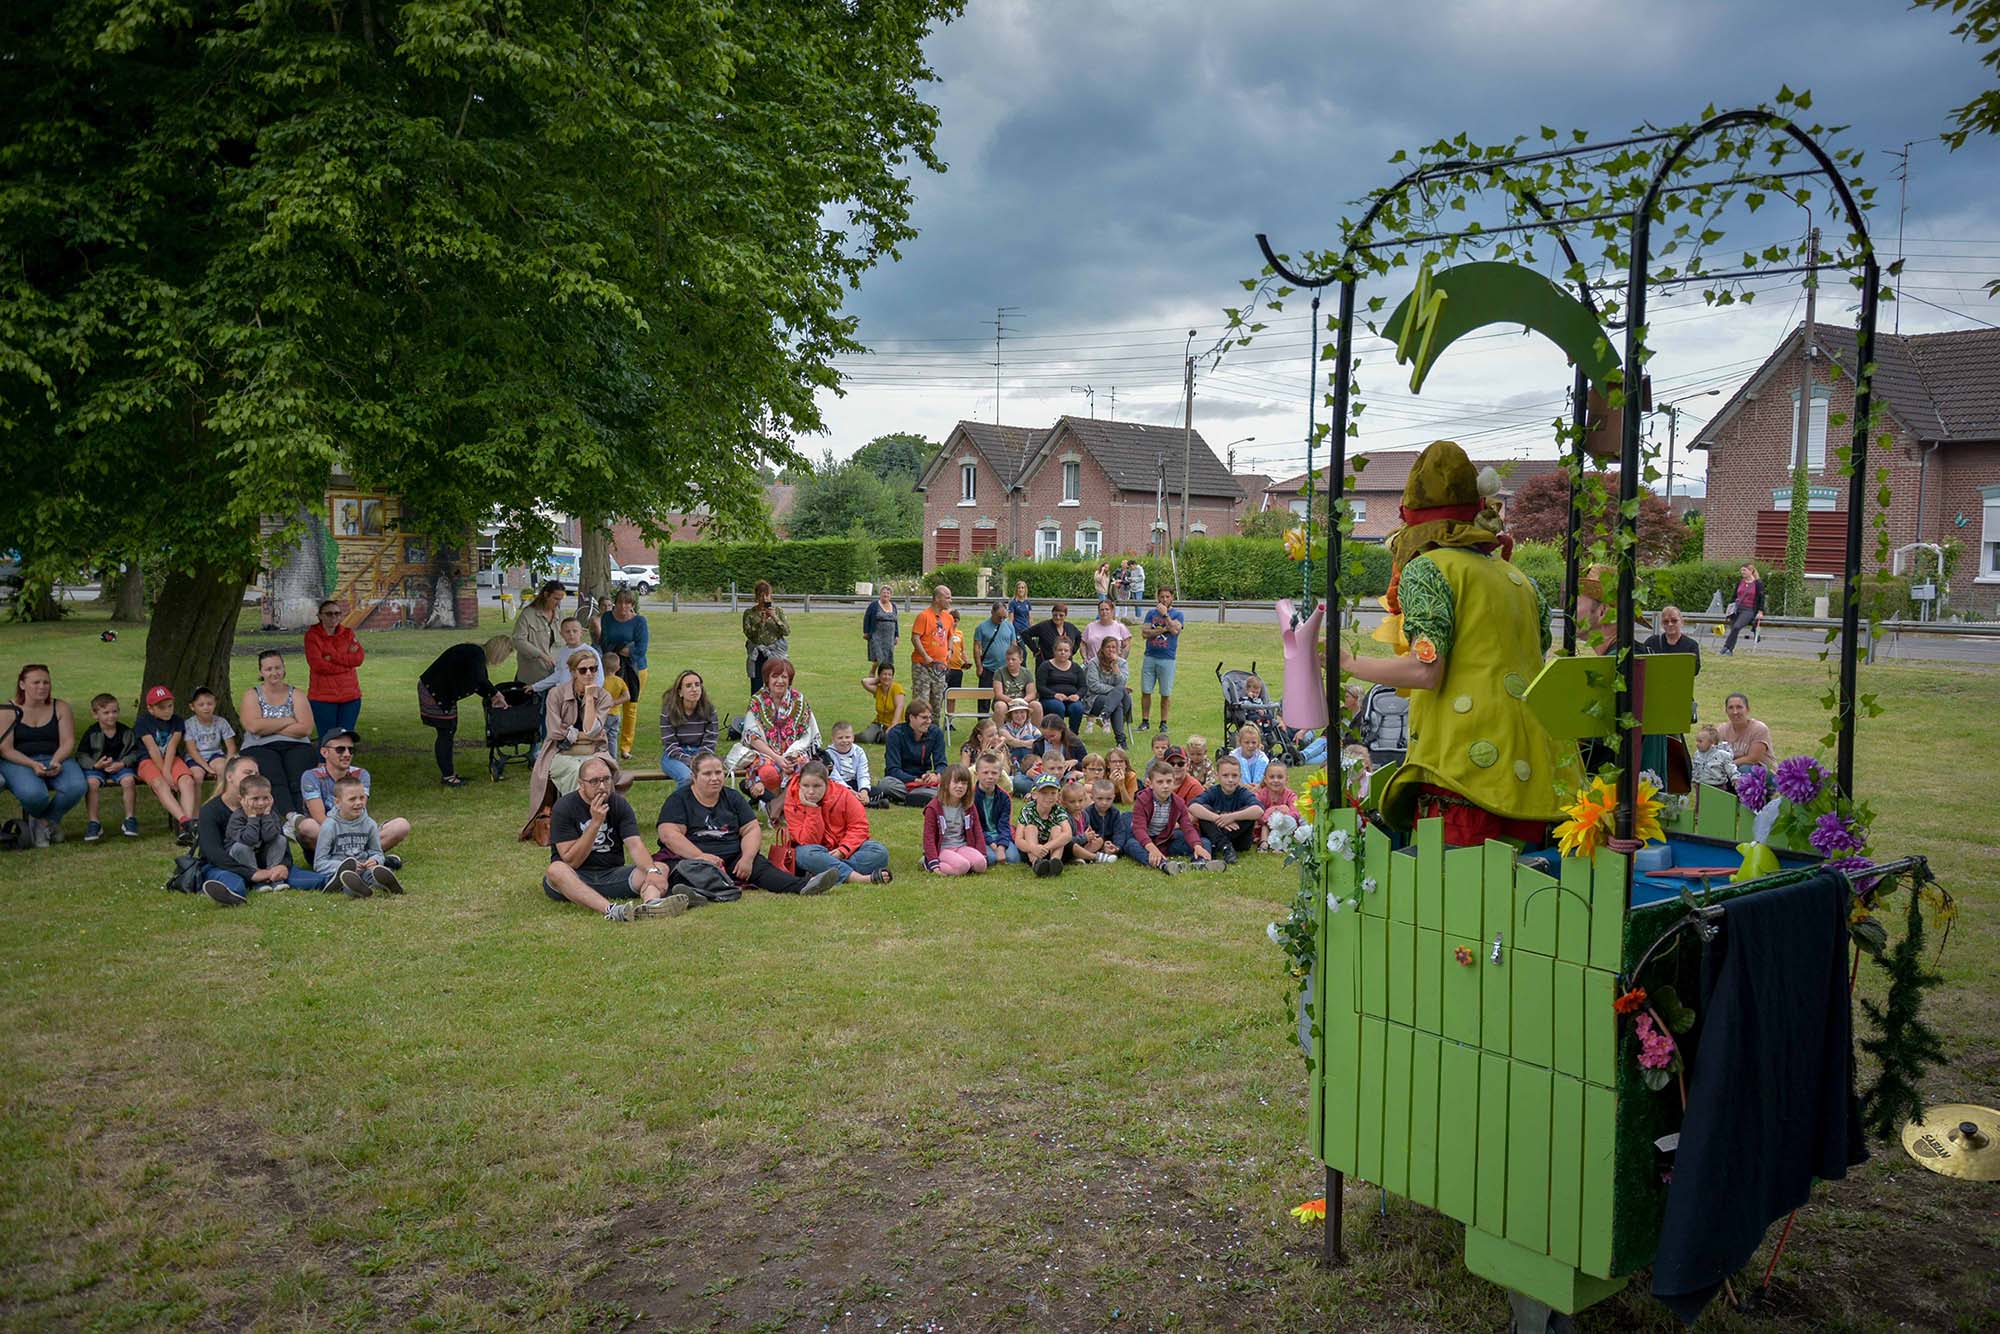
column 1473, row 735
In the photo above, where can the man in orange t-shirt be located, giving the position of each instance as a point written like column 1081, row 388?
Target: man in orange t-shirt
column 930, row 652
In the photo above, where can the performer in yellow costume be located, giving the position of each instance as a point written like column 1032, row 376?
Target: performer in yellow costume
column 1477, row 630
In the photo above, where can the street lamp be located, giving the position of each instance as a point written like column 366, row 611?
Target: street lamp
column 1231, row 446
column 1673, row 424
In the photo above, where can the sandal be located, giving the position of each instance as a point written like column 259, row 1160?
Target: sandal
column 453, row 781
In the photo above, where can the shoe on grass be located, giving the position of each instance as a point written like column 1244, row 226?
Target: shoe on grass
column 1046, row 867
column 56, row 834
column 131, row 828
column 1145, row 725
column 1173, row 866
column 1229, row 854
column 221, row 893
column 1106, row 858
column 822, row 882
column 92, row 831
column 38, row 832
column 384, row 879
column 352, row 882
column 673, row 905
column 620, row 912
column 186, row 835
column 392, row 861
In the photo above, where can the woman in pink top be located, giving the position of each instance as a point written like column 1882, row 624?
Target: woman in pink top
column 1106, row 626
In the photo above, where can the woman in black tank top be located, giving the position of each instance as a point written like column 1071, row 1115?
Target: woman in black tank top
column 37, row 755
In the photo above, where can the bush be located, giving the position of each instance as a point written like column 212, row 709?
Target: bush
column 820, row 565
column 1693, row 547
column 1065, row 577
column 1543, row 563
column 900, row 557
column 1692, row 585
column 962, row 578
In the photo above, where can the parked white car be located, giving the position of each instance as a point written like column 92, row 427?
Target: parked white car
column 641, row 579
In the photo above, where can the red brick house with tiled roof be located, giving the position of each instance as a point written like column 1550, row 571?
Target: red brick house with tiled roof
column 1376, row 492
column 1941, row 392
column 1083, row 484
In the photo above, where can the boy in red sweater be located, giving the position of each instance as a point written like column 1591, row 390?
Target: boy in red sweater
column 829, row 829
column 1162, row 829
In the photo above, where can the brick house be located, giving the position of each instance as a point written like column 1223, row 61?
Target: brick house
column 1084, row 485
column 1376, row 493
column 1941, row 392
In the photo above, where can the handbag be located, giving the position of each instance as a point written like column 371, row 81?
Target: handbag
column 711, row 884
column 185, row 878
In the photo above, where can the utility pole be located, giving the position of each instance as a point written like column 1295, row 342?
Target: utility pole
column 1798, row 524
column 1088, row 393
column 1187, row 432
column 1000, row 328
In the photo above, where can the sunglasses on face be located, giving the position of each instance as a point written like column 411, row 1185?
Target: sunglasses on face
column 586, row 671
column 340, row 750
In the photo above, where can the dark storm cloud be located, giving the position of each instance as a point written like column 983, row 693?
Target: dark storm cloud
column 1111, row 162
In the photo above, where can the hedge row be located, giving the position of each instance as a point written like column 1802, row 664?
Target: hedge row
column 1211, row 569
column 899, row 557
column 816, row 565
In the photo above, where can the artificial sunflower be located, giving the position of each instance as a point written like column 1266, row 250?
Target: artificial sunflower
column 1295, row 544
column 1589, row 822
column 1312, row 1211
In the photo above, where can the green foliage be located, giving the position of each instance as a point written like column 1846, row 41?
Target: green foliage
column 838, row 498
column 1539, row 512
column 1069, row 577
column 818, row 565
column 1543, row 563
column 899, row 557
column 1269, row 524
column 1697, row 535
column 900, row 455
column 1691, row 585
column 1903, row 1045
column 961, row 577
column 1797, row 522
column 500, row 260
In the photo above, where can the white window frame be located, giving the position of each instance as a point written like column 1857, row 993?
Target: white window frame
column 968, row 483
column 1819, row 499
column 1298, row 508
column 1358, row 508
column 1090, row 540
column 1816, row 430
column 1989, row 536
column 1048, row 541
column 1197, row 529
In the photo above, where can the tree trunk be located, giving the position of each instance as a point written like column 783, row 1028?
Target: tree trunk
column 129, row 597
column 194, row 632
column 593, row 580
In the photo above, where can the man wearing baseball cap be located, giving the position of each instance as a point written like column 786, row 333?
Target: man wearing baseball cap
column 162, row 734
column 336, row 750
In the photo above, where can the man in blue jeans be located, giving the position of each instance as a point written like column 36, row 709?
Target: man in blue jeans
column 1162, row 632
column 224, row 878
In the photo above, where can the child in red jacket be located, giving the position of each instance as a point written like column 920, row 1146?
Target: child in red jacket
column 954, row 842
column 1162, row 830
column 829, row 830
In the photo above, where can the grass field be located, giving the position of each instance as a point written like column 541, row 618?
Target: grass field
column 996, row 1103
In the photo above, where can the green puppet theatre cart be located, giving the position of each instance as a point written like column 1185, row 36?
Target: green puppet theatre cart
column 1467, row 1054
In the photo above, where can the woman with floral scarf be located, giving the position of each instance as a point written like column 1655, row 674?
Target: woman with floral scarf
column 779, row 732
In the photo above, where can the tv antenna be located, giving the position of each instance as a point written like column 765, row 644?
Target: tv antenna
column 1000, row 330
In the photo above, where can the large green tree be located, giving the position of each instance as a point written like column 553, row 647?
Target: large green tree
column 839, row 498
column 501, row 258
column 900, row 456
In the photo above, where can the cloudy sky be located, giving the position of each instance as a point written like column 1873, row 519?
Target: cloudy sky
column 1111, row 163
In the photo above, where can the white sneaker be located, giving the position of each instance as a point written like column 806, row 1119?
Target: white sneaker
column 1106, row 858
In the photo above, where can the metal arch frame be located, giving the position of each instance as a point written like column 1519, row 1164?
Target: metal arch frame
column 1637, row 281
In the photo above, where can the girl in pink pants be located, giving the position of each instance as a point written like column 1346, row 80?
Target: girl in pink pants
column 954, row 842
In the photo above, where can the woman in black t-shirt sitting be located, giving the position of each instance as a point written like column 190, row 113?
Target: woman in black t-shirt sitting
column 708, row 831
column 1059, row 681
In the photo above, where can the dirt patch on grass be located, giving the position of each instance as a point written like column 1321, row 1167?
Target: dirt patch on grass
column 924, row 1230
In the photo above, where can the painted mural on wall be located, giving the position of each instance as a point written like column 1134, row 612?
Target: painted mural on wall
column 359, row 554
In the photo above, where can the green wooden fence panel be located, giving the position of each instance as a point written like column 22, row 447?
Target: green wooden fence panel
column 1609, row 894
column 1343, row 1084
column 1569, row 1019
column 1600, row 1028
column 1528, row 1164
column 1402, row 971
column 1458, row 1142
column 1498, row 887
column 1431, row 954
column 1537, row 903
column 1461, row 990
column 1495, row 1014
column 1533, row 999
column 1375, row 864
column 1430, row 874
column 1573, row 915
column 1395, row 1176
column 1402, row 887
column 1425, row 1054
column 1491, row 1206
column 1374, row 961
column 1566, row 1171
column 1600, row 1153
column 1368, row 1156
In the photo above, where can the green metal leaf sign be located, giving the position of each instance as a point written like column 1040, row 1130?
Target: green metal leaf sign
column 1444, row 307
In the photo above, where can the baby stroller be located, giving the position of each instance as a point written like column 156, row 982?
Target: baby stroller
column 1383, row 725
column 512, row 728
column 1280, row 742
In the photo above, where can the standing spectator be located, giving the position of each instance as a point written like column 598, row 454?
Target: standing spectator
column 162, row 738
column 317, row 788
column 829, row 830
column 211, row 741
column 780, row 733
column 535, row 636
column 1135, row 586
column 881, row 627
column 991, row 641
column 1101, row 580
column 623, row 638
column 576, row 728
column 225, row 877
column 1059, row 684
column 688, row 727
column 1163, row 645
column 1015, row 682
column 274, row 734
column 1043, row 637
column 930, row 652
column 1750, row 743
column 1107, row 626
column 766, row 633
column 459, row 671
column 333, row 686
column 1747, row 609
column 709, row 822
column 38, row 756
column 596, row 855
column 889, row 701
column 108, row 754
column 954, row 840
column 1022, row 609
column 1106, row 692
column 912, row 758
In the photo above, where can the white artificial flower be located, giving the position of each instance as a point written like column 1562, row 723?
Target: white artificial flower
column 1368, row 885
column 1336, row 842
column 1334, row 903
column 1272, row 932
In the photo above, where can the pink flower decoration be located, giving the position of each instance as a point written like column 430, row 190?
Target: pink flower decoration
column 1656, row 1049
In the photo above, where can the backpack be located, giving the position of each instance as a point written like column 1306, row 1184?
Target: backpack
column 185, row 878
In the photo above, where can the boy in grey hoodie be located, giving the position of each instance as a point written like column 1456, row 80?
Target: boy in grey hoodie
column 255, row 834
column 350, row 843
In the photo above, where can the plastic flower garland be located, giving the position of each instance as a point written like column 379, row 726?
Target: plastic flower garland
column 1593, row 815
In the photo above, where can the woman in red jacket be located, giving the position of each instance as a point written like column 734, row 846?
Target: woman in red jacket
column 332, row 688
column 829, row 830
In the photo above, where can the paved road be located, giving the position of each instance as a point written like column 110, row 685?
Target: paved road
column 1788, row 642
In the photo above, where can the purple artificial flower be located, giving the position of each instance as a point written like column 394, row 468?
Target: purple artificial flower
column 1852, row 865
column 1833, row 833
column 1799, row 779
column 1753, row 788
column 1656, row 1049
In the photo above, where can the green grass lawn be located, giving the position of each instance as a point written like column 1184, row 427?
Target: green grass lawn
column 992, row 1103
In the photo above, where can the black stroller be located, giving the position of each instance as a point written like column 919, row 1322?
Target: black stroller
column 1238, row 708
column 512, row 729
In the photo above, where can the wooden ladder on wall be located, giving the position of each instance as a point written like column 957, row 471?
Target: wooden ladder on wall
column 359, row 605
